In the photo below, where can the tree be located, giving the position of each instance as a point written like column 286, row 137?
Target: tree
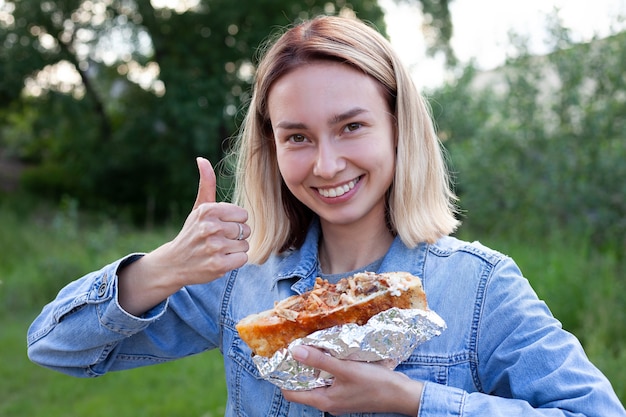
column 113, row 139
column 437, row 28
column 542, row 141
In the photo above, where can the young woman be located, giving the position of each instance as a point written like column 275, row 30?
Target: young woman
column 339, row 171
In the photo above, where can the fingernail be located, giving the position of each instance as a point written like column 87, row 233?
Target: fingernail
column 299, row 353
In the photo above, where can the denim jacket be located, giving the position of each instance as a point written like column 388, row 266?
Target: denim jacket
column 502, row 354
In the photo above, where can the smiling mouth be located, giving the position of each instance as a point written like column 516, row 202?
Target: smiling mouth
column 338, row 191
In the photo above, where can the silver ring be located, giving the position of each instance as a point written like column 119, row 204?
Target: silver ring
column 240, row 236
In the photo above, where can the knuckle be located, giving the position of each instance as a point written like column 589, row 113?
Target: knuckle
column 207, row 210
column 202, row 209
column 322, row 360
column 213, row 246
column 210, row 227
column 215, row 264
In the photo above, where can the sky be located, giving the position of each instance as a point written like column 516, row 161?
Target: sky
column 481, row 29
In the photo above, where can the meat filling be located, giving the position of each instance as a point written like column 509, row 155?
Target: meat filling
column 326, row 296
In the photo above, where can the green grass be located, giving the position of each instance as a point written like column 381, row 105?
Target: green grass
column 192, row 386
column 41, row 250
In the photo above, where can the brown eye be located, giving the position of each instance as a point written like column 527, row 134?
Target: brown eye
column 351, row 127
column 297, row 138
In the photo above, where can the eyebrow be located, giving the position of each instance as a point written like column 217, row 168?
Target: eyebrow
column 333, row 120
column 291, row 125
column 346, row 115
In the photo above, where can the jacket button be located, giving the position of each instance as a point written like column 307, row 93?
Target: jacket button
column 102, row 289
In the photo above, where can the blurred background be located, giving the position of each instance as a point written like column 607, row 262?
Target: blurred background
column 104, row 105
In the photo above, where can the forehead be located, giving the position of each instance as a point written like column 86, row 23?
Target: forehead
column 324, row 87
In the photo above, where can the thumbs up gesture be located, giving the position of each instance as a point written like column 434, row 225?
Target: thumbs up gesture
column 213, row 238
column 211, row 242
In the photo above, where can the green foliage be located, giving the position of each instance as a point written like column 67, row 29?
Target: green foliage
column 538, row 149
column 109, row 142
column 42, row 249
column 438, row 28
column 542, row 142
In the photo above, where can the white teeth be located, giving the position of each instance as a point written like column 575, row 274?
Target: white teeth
column 337, row 191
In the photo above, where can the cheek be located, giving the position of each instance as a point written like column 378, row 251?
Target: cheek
column 293, row 168
column 380, row 154
column 384, row 159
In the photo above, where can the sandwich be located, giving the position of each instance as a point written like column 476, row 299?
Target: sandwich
column 351, row 300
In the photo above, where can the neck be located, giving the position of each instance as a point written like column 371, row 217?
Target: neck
column 343, row 249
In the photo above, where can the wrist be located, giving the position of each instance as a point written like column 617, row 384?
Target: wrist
column 144, row 284
column 408, row 395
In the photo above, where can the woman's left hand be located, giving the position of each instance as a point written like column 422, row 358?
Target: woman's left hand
column 357, row 386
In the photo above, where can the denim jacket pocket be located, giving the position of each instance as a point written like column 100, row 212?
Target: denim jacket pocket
column 431, row 368
column 251, row 396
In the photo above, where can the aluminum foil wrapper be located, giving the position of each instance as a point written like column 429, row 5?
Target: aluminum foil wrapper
column 388, row 338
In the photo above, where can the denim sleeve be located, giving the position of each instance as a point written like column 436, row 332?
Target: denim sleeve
column 77, row 332
column 527, row 364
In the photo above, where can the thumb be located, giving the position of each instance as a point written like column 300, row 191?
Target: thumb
column 206, row 187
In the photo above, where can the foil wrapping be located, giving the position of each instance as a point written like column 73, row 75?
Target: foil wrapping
column 388, row 338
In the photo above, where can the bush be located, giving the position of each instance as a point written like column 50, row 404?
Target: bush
column 42, row 249
column 542, row 142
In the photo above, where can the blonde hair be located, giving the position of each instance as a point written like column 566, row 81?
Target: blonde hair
column 420, row 200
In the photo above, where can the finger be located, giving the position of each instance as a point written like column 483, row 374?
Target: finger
column 207, row 184
column 314, row 398
column 242, row 231
column 228, row 262
column 314, row 357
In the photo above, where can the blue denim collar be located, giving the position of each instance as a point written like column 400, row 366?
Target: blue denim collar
column 301, row 264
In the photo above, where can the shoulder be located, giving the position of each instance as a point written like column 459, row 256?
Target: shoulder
column 449, row 246
column 468, row 271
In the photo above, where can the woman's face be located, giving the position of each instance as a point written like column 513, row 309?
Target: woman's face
column 335, row 143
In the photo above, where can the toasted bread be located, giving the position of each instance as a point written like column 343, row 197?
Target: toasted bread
column 352, row 300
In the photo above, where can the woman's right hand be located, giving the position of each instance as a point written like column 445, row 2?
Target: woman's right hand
column 211, row 242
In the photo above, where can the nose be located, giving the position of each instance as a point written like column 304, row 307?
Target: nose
column 329, row 159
